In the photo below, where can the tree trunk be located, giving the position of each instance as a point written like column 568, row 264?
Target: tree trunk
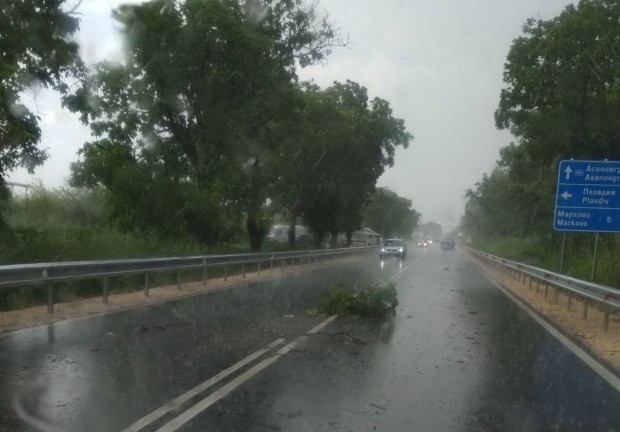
column 529, row 227
column 333, row 241
column 317, row 239
column 255, row 233
column 291, row 231
column 254, row 204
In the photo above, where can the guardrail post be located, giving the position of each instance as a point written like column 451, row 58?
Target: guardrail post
column 606, row 318
column 243, row 269
column 50, row 297
column 106, row 285
column 570, row 301
column 556, row 295
column 225, row 273
column 258, row 270
column 271, row 264
column 546, row 290
column 531, row 281
column 316, row 259
column 204, row 273
column 584, row 314
column 146, row 284
column 293, row 261
column 524, row 279
column 537, row 286
column 179, row 280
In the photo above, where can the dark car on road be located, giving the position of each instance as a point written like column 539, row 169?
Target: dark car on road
column 393, row 247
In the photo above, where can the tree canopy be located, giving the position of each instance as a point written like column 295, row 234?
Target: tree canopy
column 561, row 100
column 35, row 50
column 391, row 215
column 204, row 123
column 341, row 145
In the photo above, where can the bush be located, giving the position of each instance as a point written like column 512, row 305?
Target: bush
column 375, row 301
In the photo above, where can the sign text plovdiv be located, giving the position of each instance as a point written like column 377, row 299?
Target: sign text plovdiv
column 588, row 196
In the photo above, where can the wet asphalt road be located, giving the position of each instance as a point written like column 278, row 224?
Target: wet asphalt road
column 458, row 356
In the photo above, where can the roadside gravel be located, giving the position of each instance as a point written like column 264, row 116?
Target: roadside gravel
column 589, row 334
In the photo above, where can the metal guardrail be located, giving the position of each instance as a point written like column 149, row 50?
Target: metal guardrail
column 49, row 274
column 607, row 297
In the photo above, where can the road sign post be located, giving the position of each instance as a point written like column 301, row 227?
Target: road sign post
column 587, row 199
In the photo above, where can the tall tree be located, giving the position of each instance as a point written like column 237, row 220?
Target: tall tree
column 35, row 50
column 201, row 81
column 390, row 215
column 335, row 147
column 562, row 94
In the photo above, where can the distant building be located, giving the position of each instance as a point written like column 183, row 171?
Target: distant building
column 365, row 237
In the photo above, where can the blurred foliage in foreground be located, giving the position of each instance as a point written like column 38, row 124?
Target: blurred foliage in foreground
column 561, row 101
column 70, row 224
column 374, row 301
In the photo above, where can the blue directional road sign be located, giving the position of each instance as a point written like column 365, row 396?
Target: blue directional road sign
column 588, row 196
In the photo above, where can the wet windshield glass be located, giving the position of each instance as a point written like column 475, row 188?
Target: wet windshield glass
column 309, row 215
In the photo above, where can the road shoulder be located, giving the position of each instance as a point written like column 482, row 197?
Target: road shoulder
column 587, row 334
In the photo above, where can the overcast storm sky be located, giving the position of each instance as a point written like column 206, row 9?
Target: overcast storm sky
column 438, row 62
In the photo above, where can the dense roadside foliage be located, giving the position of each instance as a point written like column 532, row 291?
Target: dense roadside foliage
column 326, row 164
column 561, row 101
column 205, row 123
column 70, row 224
column 200, row 135
column 390, row 215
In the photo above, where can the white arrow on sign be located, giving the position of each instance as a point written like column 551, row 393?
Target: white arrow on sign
column 566, row 195
column 568, row 172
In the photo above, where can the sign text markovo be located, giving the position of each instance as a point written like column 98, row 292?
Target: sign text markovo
column 588, row 196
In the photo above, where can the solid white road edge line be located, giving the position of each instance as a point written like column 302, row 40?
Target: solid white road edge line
column 192, row 412
column 583, row 355
column 177, row 402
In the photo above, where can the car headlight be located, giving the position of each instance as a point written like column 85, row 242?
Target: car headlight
column 382, row 249
column 400, row 250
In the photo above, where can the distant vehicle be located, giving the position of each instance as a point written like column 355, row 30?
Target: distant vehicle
column 393, row 247
column 448, row 244
column 422, row 243
column 279, row 233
